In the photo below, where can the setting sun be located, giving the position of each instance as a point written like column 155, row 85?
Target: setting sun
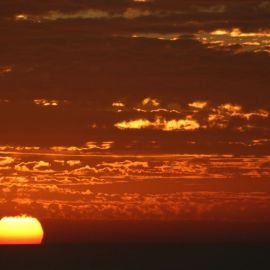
column 20, row 230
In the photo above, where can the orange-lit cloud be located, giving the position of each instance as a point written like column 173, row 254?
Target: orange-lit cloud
column 221, row 115
column 145, row 167
column 153, row 105
column 50, row 102
column 200, row 205
column 143, row 1
column 159, row 123
column 54, row 15
column 34, row 166
column 18, row 148
column 249, row 41
column 106, row 145
column 6, row 69
column 21, row 17
column 73, row 162
column 261, row 141
column 118, row 105
column 101, row 146
column 6, row 160
column 197, row 114
column 198, row 104
column 216, row 9
column 158, row 36
column 135, row 187
column 134, row 124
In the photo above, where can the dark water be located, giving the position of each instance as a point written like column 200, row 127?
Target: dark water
column 159, row 256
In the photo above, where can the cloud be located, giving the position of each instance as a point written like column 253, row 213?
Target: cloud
column 264, row 6
column 106, row 145
column 219, row 206
column 118, row 106
column 34, row 166
column 162, row 167
column 143, row 1
column 50, row 102
column 54, row 15
column 221, row 116
column 139, row 186
column 85, row 14
column 158, row 36
column 198, row 104
column 216, row 9
column 182, row 124
column 73, row 162
column 229, row 40
column 6, row 148
column 160, row 124
column 261, row 141
column 133, row 13
column 134, row 124
column 112, row 169
column 195, row 115
column 6, row 69
column 102, row 146
column 6, row 160
column 153, row 105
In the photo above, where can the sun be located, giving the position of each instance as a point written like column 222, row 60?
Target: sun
column 20, row 230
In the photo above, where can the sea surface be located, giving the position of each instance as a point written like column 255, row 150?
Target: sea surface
column 140, row 256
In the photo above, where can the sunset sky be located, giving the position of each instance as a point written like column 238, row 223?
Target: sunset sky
column 136, row 110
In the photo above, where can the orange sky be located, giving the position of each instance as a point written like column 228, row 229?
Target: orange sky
column 135, row 110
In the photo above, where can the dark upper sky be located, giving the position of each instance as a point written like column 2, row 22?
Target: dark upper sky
column 89, row 55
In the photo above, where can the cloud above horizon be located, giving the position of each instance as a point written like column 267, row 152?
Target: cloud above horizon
column 135, row 110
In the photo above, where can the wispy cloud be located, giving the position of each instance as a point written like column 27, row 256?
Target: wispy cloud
column 158, row 36
column 236, row 40
column 6, row 69
column 128, row 13
column 159, row 123
column 106, row 145
column 137, row 187
column 195, row 115
column 50, row 102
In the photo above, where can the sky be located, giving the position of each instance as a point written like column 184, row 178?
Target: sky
column 135, row 110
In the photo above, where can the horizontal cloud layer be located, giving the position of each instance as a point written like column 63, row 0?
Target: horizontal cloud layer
column 160, row 187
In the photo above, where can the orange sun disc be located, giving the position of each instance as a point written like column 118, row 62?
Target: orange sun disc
column 20, row 230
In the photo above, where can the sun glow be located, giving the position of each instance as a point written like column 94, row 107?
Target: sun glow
column 20, row 230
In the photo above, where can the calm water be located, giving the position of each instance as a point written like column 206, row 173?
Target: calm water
column 129, row 257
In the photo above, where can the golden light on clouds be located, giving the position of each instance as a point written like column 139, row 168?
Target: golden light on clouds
column 134, row 124
column 182, row 124
column 236, row 32
column 160, row 123
column 195, row 115
column 20, row 230
column 6, row 69
column 50, row 102
column 104, row 145
column 227, row 39
column 46, row 102
column 118, row 104
column 86, row 14
column 150, row 101
column 198, row 104
column 141, row 1
column 21, row 17
column 158, row 36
